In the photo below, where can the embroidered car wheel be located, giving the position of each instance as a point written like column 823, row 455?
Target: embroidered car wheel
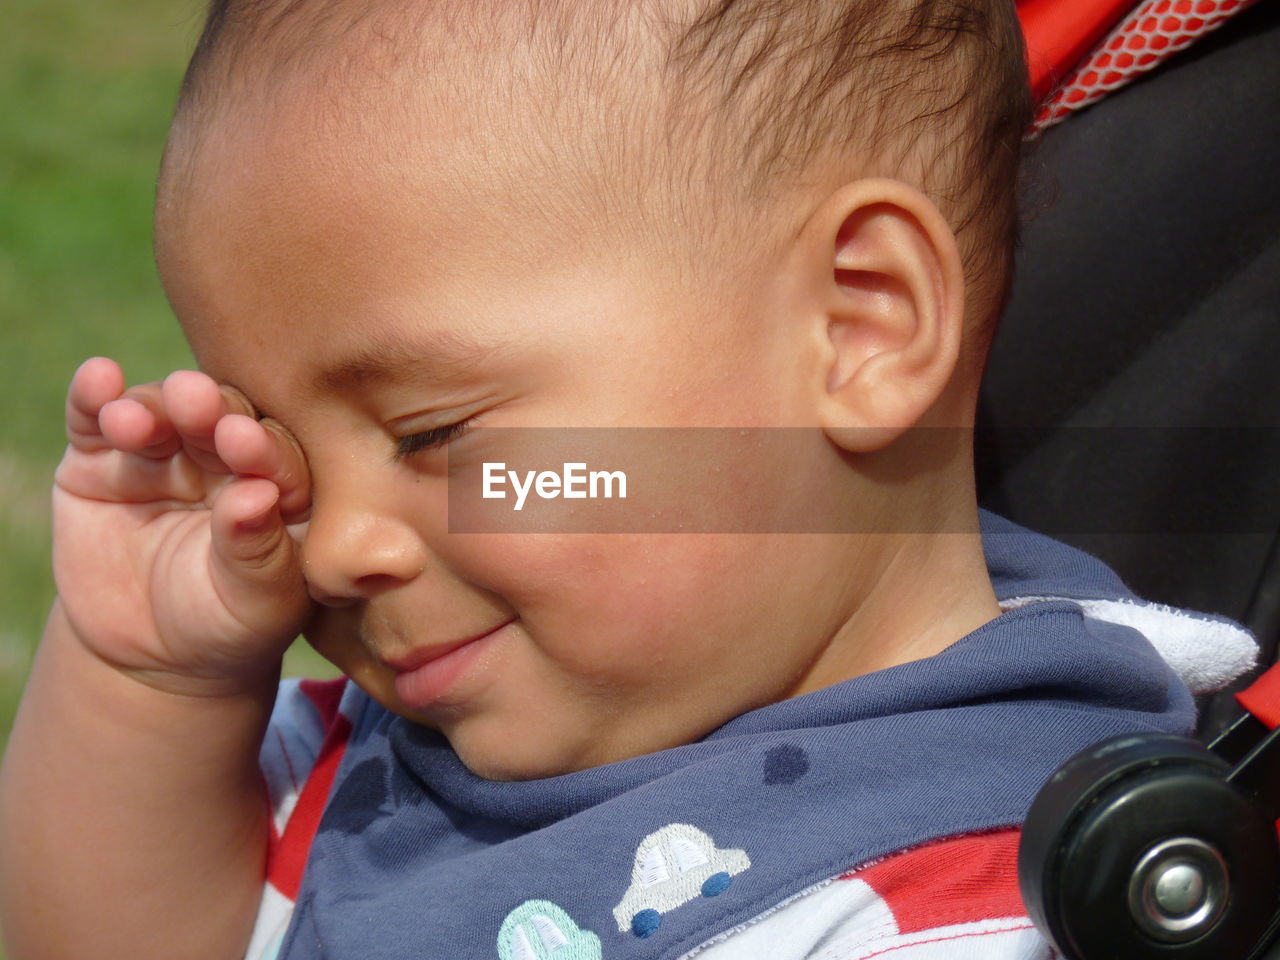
column 716, row 884
column 646, row 923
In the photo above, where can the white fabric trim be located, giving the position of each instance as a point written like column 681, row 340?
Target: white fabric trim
column 847, row 920
column 269, row 929
column 1206, row 654
column 1000, row 938
column 732, row 934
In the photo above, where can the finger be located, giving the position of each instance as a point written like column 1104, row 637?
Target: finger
column 138, row 423
column 97, row 381
column 294, row 476
column 264, row 448
column 245, row 505
column 254, row 562
column 116, row 477
column 237, row 402
column 195, row 404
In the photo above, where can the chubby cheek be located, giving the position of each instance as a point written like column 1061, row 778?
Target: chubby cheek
column 623, row 611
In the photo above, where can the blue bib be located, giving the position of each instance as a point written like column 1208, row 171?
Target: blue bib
column 416, row 858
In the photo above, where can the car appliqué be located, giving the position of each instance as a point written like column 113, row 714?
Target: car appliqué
column 540, row 930
column 674, row 865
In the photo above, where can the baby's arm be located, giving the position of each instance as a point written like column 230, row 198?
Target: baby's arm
column 133, row 820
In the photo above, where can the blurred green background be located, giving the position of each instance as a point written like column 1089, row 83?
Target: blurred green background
column 86, row 90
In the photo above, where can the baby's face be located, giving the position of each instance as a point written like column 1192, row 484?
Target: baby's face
column 449, row 295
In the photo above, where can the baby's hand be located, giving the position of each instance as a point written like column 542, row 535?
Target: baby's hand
column 170, row 549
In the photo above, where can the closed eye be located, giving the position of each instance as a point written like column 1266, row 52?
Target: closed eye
column 429, row 439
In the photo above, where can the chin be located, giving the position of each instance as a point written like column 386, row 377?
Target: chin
column 497, row 755
column 488, row 746
column 500, row 771
column 506, row 765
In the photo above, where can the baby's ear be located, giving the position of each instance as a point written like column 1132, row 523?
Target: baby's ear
column 890, row 300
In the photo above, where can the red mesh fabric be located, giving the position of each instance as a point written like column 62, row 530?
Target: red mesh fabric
column 1060, row 33
column 1149, row 35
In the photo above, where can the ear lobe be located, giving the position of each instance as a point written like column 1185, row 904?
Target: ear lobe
column 893, row 311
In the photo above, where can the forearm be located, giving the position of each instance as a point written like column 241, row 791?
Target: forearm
column 132, row 821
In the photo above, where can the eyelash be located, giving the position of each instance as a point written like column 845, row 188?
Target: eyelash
column 429, row 439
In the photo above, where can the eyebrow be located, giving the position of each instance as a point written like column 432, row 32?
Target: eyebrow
column 399, row 358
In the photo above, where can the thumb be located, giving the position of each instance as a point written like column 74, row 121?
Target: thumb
column 254, row 562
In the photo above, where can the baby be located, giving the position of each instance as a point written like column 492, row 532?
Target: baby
column 389, row 228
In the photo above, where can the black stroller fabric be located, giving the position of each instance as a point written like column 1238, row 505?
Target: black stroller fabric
column 1142, row 343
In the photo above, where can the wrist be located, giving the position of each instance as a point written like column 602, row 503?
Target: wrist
column 74, row 698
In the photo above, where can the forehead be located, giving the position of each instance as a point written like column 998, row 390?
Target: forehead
column 300, row 173
column 302, row 225
column 333, row 211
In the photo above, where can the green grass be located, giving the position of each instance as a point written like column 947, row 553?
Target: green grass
column 86, row 90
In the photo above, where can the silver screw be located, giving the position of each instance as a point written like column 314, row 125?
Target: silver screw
column 1178, row 891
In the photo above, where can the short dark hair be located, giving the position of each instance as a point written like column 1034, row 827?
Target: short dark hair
column 766, row 89
column 946, row 79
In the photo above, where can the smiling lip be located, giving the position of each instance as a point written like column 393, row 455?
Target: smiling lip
column 424, row 676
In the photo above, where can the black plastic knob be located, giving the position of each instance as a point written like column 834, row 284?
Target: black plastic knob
column 1139, row 848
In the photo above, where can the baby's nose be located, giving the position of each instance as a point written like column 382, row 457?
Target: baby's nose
column 353, row 551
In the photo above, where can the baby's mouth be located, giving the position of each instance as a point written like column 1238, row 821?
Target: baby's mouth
column 412, row 659
column 425, row 676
